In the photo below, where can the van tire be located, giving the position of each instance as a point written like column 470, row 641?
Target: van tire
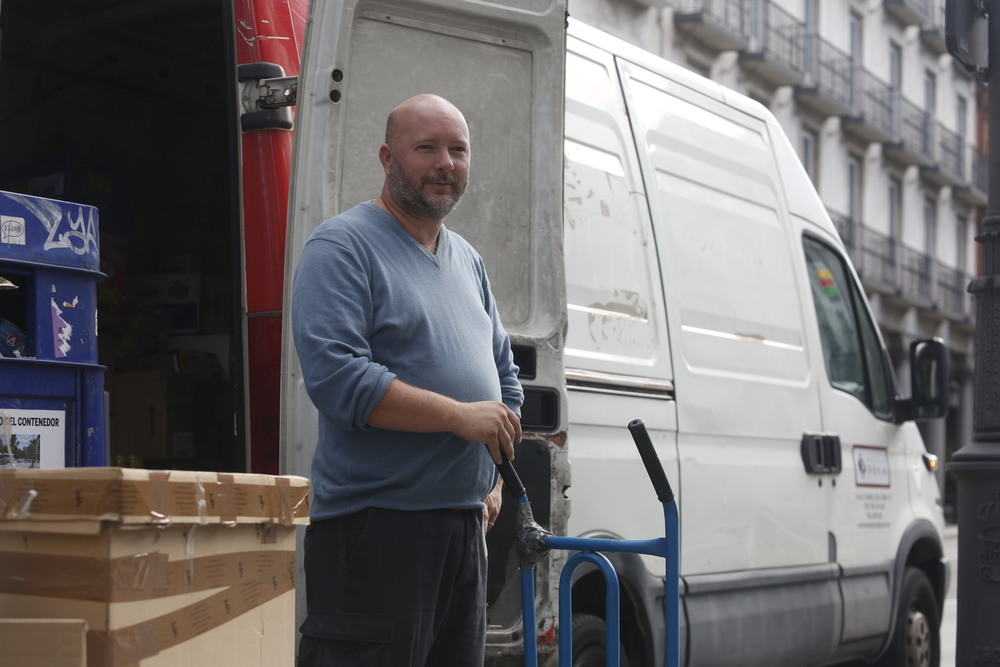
column 589, row 641
column 916, row 639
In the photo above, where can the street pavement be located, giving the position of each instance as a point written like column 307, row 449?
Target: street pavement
column 948, row 621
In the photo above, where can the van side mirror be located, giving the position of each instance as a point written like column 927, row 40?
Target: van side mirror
column 928, row 382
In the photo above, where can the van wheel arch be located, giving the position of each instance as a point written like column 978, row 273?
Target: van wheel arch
column 916, row 637
column 921, row 549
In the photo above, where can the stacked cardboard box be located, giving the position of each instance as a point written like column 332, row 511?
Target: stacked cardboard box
column 46, row 642
column 164, row 567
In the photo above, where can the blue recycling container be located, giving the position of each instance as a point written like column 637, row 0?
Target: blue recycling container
column 52, row 411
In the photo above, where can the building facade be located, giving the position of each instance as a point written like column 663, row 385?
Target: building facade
column 889, row 126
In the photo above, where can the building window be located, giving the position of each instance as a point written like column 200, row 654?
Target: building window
column 857, row 56
column 930, row 108
column 854, row 189
column 930, row 92
column 930, row 227
column 961, row 130
column 895, row 84
column 810, row 147
column 961, row 244
column 812, row 32
column 892, row 248
column 895, row 208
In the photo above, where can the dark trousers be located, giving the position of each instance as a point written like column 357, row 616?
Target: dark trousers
column 395, row 588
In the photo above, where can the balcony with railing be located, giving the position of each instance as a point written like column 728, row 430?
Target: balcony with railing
column 872, row 106
column 981, row 171
column 932, row 31
column 914, row 276
column 876, row 260
column 950, row 291
column 777, row 45
column 978, row 188
column 889, row 267
column 908, row 12
column 828, row 86
column 723, row 25
column 913, row 133
column 949, row 161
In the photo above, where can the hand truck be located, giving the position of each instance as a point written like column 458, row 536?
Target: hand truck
column 534, row 543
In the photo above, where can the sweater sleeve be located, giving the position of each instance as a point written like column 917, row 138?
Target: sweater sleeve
column 510, row 386
column 331, row 324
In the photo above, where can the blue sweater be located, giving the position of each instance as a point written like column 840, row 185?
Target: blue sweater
column 370, row 304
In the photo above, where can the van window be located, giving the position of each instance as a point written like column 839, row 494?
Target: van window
column 854, row 356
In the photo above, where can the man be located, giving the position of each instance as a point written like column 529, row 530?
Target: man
column 404, row 355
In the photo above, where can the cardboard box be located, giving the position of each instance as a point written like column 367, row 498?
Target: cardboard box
column 43, row 642
column 165, row 567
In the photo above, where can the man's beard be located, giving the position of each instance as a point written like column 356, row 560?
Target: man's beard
column 411, row 198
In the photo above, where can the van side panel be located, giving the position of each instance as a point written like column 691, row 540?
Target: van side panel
column 746, row 392
column 755, row 544
column 758, row 591
column 795, row 487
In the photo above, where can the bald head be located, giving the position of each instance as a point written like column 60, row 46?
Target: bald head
column 423, row 110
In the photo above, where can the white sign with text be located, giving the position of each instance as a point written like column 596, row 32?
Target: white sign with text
column 32, row 439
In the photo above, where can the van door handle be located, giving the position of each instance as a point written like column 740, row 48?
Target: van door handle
column 821, row 453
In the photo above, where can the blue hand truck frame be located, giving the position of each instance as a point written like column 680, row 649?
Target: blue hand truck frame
column 534, row 543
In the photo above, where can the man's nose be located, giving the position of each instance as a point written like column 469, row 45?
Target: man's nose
column 444, row 161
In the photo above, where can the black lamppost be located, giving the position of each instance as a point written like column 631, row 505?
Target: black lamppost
column 976, row 466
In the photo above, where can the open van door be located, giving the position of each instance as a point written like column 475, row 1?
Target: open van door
column 268, row 40
column 501, row 63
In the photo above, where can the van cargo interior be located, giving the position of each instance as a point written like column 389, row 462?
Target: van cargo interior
column 130, row 106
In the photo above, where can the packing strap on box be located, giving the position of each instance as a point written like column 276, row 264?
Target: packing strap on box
column 143, row 576
column 157, row 497
column 131, row 644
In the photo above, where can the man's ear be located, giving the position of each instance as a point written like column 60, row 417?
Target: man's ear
column 384, row 156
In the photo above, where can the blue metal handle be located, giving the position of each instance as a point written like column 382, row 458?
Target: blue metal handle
column 612, row 608
column 667, row 547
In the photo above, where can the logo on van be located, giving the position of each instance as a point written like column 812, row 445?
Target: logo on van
column 871, row 466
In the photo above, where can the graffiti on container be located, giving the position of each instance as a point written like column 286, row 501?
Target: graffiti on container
column 72, row 230
column 11, row 230
column 62, row 331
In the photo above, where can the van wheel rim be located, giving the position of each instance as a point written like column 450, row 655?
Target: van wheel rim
column 918, row 640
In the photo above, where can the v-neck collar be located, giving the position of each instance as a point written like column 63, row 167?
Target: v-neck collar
column 442, row 240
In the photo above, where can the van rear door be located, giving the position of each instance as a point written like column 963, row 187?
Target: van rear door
column 501, row 63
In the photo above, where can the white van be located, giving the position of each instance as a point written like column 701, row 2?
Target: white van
column 703, row 290
column 706, row 292
column 709, row 294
